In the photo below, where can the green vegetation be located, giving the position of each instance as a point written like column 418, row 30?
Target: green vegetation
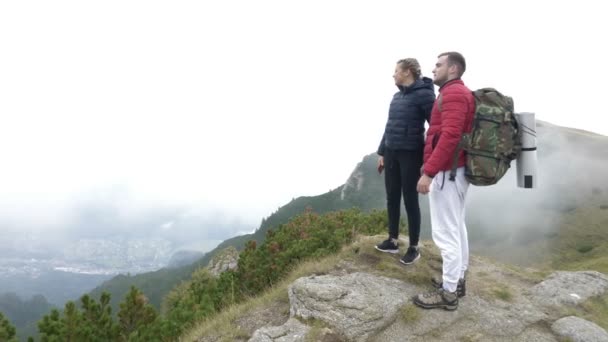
column 389, row 264
column 502, row 293
column 594, row 309
column 360, row 253
column 585, row 248
column 93, row 321
column 225, row 323
column 470, row 338
column 306, row 236
column 24, row 313
column 317, row 330
column 410, row 313
column 293, row 242
column 261, row 267
column 582, row 242
column 136, row 316
column 156, row 285
column 7, row 331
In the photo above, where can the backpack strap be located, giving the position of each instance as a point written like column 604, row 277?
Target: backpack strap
column 439, row 102
column 455, row 158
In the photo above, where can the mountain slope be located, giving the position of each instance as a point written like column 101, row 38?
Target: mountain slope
column 501, row 302
column 505, row 222
column 366, row 194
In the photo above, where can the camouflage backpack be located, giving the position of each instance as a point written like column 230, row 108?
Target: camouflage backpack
column 493, row 141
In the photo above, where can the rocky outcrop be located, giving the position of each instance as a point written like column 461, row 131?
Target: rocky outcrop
column 354, row 183
column 568, row 288
column 291, row 331
column 355, row 305
column 226, row 259
column 364, row 307
column 477, row 319
column 579, row 330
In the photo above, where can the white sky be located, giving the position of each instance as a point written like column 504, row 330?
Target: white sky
column 243, row 105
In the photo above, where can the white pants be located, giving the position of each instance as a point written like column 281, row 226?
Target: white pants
column 447, row 202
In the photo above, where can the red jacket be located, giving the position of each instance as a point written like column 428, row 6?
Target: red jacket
column 451, row 116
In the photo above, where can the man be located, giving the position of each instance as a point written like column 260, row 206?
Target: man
column 452, row 115
column 401, row 151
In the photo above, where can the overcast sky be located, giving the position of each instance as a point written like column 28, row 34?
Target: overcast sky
column 239, row 106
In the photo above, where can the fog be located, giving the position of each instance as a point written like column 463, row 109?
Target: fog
column 139, row 118
column 113, row 213
column 572, row 166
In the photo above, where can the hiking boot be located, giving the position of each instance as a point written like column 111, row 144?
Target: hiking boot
column 438, row 298
column 461, row 290
column 388, row 246
column 410, row 256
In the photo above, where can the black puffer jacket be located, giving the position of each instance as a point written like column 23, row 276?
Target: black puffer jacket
column 410, row 107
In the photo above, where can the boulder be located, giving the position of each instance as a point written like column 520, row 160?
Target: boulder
column 579, row 330
column 568, row 288
column 291, row 331
column 354, row 305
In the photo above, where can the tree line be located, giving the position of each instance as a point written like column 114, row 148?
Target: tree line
column 306, row 236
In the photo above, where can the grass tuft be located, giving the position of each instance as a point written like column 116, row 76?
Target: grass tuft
column 503, row 293
column 410, row 313
column 584, row 249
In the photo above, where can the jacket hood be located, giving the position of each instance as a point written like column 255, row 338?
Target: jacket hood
column 421, row 83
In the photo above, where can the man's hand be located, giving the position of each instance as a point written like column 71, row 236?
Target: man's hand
column 424, row 184
column 380, row 164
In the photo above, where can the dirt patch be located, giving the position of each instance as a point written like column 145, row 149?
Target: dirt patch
column 369, row 259
column 277, row 313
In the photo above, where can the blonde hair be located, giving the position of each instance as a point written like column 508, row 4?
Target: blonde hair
column 412, row 65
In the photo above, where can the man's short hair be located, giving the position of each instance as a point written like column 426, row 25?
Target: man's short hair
column 412, row 65
column 456, row 58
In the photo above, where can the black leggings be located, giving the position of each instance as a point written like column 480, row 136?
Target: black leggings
column 401, row 174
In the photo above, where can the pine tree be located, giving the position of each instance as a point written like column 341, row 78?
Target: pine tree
column 71, row 322
column 7, row 331
column 51, row 327
column 135, row 314
column 98, row 324
column 93, row 322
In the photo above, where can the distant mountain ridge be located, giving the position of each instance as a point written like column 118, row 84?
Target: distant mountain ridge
column 184, row 258
column 568, row 159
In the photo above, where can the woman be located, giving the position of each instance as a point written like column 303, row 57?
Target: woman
column 401, row 152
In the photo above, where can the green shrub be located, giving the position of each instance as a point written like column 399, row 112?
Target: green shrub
column 584, row 248
column 306, row 236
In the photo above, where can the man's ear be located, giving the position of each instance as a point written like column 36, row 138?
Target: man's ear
column 453, row 68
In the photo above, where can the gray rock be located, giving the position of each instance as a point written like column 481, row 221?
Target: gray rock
column 291, row 331
column 502, row 319
column 226, row 259
column 569, row 288
column 533, row 334
column 475, row 320
column 578, row 330
column 355, row 305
